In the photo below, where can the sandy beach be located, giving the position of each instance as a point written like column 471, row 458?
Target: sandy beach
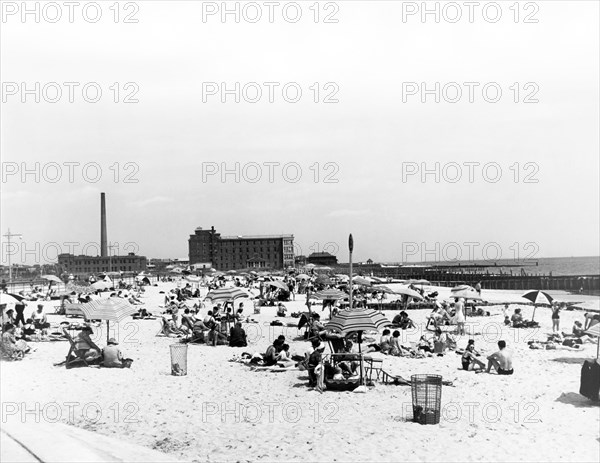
column 224, row 411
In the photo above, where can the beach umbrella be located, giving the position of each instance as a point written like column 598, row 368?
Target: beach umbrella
column 52, row 278
column 350, row 320
column 7, row 299
column 405, row 290
column 303, row 276
column 462, row 288
column 193, row 279
column 594, row 330
column 226, row 294
column 109, row 309
column 18, row 297
column 323, row 280
column 330, row 294
column 418, row 282
column 466, row 294
column 342, row 277
column 310, row 266
column 537, row 297
column 361, row 281
column 277, row 284
column 100, row 285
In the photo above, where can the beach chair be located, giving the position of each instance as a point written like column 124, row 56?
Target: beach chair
column 373, row 365
column 79, row 358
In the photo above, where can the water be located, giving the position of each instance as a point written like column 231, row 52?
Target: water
column 559, row 266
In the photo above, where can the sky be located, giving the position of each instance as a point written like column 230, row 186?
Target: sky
column 364, row 149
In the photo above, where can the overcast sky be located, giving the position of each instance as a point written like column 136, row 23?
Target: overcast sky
column 370, row 141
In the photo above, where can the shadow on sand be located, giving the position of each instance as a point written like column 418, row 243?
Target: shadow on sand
column 570, row 360
column 577, row 400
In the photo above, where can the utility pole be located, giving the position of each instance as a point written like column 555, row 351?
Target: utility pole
column 8, row 236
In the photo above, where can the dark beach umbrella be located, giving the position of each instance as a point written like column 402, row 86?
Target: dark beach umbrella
column 538, row 297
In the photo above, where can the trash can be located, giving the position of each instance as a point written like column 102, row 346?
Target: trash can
column 426, row 398
column 178, row 359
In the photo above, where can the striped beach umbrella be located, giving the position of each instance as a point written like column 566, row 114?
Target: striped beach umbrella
column 330, row 294
column 349, row 320
column 109, row 309
column 226, row 294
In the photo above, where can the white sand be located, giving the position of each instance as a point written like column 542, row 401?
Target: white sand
column 223, row 411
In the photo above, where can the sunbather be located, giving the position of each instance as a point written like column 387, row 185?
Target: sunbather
column 501, row 361
column 237, row 336
column 112, row 355
column 10, row 345
column 283, row 358
column 469, row 359
column 86, row 348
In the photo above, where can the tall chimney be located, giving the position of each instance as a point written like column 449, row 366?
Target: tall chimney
column 103, row 242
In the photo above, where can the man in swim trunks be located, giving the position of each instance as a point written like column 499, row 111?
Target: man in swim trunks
column 501, row 360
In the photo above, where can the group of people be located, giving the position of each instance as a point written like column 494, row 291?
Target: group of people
column 500, row 361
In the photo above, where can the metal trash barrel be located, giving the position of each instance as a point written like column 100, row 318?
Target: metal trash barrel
column 426, row 398
column 179, row 359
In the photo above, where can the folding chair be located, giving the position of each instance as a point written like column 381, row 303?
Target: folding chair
column 373, row 365
column 79, row 357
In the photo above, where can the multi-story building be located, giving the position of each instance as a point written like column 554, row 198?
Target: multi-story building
column 87, row 265
column 237, row 252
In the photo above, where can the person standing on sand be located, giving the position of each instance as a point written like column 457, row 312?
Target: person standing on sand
column 501, row 361
column 478, row 288
column 459, row 305
column 556, row 317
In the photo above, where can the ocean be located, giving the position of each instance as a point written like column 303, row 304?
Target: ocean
column 563, row 266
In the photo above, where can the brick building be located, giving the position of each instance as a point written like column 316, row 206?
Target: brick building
column 239, row 252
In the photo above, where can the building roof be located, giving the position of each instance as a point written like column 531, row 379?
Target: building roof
column 255, row 237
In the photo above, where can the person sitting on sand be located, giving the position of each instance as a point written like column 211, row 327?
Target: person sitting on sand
column 281, row 310
column 396, row 348
column 86, row 348
column 337, row 374
column 283, row 358
column 8, row 318
column 385, row 342
column 517, row 319
column 270, row 357
column 10, row 345
column 237, row 336
column 424, row 344
column 405, row 321
column 112, row 355
column 469, row 359
column 209, row 321
column 188, row 320
column 29, row 329
column 239, row 316
column 501, row 361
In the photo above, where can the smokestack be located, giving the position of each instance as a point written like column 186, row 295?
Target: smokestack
column 103, row 240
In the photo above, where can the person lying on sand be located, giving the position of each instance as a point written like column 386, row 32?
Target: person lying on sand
column 501, row 361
